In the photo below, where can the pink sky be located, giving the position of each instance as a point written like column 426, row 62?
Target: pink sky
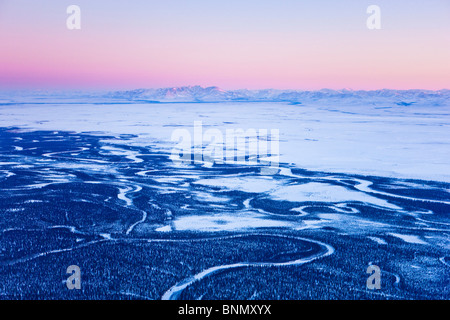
column 37, row 51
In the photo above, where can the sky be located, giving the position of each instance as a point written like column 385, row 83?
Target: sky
column 232, row 44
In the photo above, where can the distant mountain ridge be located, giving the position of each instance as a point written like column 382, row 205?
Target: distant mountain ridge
column 215, row 94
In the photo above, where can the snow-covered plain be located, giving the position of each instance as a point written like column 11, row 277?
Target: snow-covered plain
column 383, row 138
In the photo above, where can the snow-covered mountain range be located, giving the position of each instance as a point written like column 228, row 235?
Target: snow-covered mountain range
column 215, row 94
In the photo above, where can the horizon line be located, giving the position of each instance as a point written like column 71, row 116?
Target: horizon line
column 5, row 90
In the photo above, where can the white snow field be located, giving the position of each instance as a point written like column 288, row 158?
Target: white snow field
column 365, row 138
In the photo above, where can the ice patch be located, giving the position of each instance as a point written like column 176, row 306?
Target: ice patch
column 15, row 209
column 208, row 197
column 131, row 155
column 245, row 184
column 164, row 229
column 23, row 166
column 173, row 180
column 8, row 173
column 224, row 222
column 323, row 192
column 301, row 211
column 377, row 240
column 33, row 201
column 8, row 163
column 408, row 238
